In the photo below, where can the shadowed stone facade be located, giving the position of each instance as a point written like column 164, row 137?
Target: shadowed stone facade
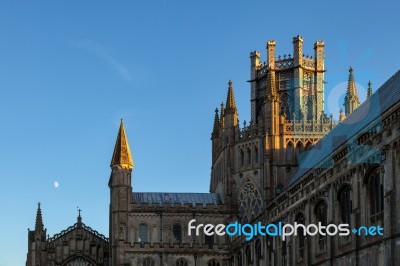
column 290, row 163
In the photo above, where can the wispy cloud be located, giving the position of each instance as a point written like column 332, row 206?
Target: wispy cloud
column 101, row 52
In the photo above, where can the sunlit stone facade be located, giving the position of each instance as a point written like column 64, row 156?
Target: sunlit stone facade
column 290, row 163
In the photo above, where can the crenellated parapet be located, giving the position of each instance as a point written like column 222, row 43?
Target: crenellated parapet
column 248, row 132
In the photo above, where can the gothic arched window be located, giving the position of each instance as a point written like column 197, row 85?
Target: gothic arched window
column 143, row 233
column 181, row 262
column 344, row 198
column 248, row 255
column 256, row 154
column 375, row 192
column 177, row 232
column 213, row 263
column 249, row 201
column 289, row 152
column 300, row 236
column 241, row 157
column 321, row 216
column 148, row 262
column 299, row 150
column 79, row 261
column 285, row 106
column 209, row 240
column 258, row 252
column 248, row 156
column 239, row 258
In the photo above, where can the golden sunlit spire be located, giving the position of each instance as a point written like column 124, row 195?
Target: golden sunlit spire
column 122, row 156
column 230, row 100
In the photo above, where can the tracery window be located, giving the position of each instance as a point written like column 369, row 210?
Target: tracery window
column 177, row 232
column 344, row 198
column 250, row 202
column 143, row 233
column 79, row 262
column 148, row 262
column 181, row 262
column 375, row 193
column 285, row 106
column 213, row 263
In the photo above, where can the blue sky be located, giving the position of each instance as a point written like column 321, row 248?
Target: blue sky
column 71, row 69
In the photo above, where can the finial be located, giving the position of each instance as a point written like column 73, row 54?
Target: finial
column 350, row 69
column 79, row 222
column 230, row 83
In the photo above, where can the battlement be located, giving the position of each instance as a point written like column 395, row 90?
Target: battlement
column 310, row 127
column 248, row 132
column 288, row 61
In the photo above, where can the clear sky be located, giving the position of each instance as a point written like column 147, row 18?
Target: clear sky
column 69, row 70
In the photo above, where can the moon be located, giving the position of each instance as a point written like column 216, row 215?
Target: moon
column 56, row 184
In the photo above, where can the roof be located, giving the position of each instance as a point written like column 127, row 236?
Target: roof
column 357, row 122
column 75, row 227
column 176, row 198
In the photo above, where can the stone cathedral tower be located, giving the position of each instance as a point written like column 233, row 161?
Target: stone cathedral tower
column 252, row 163
column 120, row 195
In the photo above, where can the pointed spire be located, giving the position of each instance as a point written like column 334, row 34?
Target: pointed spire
column 351, row 85
column 216, row 123
column 39, row 221
column 122, row 155
column 369, row 92
column 351, row 101
column 230, row 100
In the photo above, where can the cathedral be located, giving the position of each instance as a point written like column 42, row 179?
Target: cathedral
column 290, row 164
